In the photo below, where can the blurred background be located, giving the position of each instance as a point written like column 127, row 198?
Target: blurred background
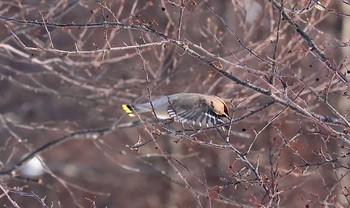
column 67, row 66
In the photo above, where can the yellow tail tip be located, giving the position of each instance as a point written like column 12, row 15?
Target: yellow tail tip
column 128, row 110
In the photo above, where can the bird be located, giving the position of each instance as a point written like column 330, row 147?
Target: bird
column 191, row 108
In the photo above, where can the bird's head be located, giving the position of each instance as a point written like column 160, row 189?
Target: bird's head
column 220, row 107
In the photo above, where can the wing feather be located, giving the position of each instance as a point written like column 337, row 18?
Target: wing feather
column 200, row 115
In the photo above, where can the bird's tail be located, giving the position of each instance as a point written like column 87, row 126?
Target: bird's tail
column 129, row 109
column 133, row 110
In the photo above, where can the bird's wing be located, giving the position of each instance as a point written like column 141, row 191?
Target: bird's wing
column 201, row 115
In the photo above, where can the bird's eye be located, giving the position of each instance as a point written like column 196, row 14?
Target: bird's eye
column 225, row 109
column 212, row 106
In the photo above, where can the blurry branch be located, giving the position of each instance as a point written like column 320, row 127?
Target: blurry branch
column 47, row 30
column 240, row 42
column 46, row 66
column 326, row 160
column 284, row 101
column 313, row 48
column 18, row 191
column 255, row 169
column 169, row 158
column 99, row 132
column 286, row 97
column 179, row 27
column 178, row 172
column 274, row 54
column 83, row 134
column 25, row 86
column 78, row 51
column 222, row 198
column 185, row 46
